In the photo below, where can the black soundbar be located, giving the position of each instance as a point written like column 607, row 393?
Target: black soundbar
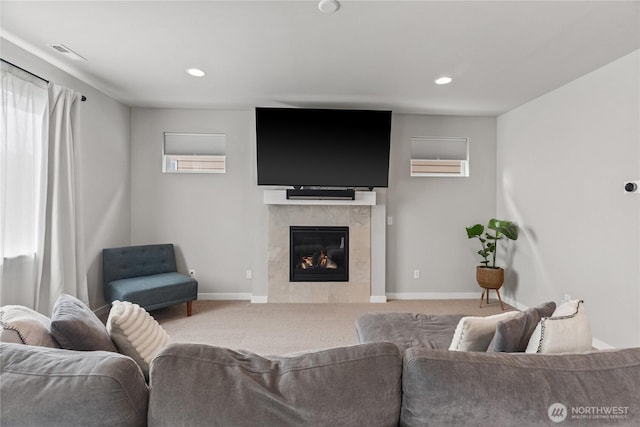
column 312, row 194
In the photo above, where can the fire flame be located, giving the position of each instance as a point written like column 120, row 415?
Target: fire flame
column 317, row 260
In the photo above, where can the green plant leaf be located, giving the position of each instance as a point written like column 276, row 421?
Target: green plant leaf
column 506, row 228
column 475, row 231
column 489, row 241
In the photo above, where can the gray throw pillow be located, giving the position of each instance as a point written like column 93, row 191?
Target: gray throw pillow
column 76, row 327
column 20, row 324
column 512, row 335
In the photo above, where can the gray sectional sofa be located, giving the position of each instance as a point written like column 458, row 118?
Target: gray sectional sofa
column 371, row 384
column 376, row 383
column 43, row 386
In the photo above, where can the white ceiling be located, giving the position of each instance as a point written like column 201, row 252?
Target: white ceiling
column 369, row 54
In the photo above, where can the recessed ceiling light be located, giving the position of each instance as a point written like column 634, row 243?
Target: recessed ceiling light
column 328, row 6
column 195, row 72
column 443, row 80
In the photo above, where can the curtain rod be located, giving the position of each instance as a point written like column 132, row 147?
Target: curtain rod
column 84, row 98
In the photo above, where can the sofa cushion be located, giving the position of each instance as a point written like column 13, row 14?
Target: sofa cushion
column 566, row 331
column 408, row 329
column 154, row 291
column 136, row 333
column 348, row 386
column 475, row 333
column 136, row 261
column 447, row 388
column 20, row 324
column 512, row 335
column 53, row 387
column 75, row 327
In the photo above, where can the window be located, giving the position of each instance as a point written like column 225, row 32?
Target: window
column 22, row 162
column 194, row 153
column 439, row 156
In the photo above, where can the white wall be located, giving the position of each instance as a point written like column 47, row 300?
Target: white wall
column 562, row 162
column 430, row 214
column 216, row 221
column 104, row 168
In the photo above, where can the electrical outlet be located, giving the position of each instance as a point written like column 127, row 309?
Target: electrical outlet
column 192, row 274
column 389, row 220
column 567, row 297
column 416, row 274
column 248, row 274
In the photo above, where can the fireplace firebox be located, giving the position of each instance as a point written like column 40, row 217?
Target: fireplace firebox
column 319, row 254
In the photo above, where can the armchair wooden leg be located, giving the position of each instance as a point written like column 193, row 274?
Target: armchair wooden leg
column 189, row 305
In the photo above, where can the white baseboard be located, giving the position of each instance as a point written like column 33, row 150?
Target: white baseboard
column 374, row 299
column 433, row 295
column 601, row 345
column 224, row 296
column 515, row 304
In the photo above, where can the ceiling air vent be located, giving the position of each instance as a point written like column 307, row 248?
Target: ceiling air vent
column 60, row 48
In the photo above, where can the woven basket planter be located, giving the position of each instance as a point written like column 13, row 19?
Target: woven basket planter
column 490, row 278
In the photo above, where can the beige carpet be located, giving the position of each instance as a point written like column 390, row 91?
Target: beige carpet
column 287, row 328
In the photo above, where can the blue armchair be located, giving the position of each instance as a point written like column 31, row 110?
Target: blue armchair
column 146, row 275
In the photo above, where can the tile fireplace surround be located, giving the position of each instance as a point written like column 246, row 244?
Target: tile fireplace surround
column 283, row 214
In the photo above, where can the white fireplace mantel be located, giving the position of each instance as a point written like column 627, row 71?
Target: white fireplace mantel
column 279, row 197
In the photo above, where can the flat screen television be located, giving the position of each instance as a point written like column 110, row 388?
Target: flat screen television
column 305, row 147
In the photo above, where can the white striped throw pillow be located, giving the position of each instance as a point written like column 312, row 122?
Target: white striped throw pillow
column 136, row 333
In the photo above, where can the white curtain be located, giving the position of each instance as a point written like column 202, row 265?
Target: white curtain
column 24, row 133
column 63, row 266
column 41, row 249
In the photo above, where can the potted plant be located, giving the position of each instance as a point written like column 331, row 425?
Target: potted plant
column 488, row 275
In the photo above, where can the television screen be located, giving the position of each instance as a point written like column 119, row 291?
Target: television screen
column 303, row 147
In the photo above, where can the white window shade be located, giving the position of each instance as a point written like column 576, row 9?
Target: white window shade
column 439, row 156
column 194, row 153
